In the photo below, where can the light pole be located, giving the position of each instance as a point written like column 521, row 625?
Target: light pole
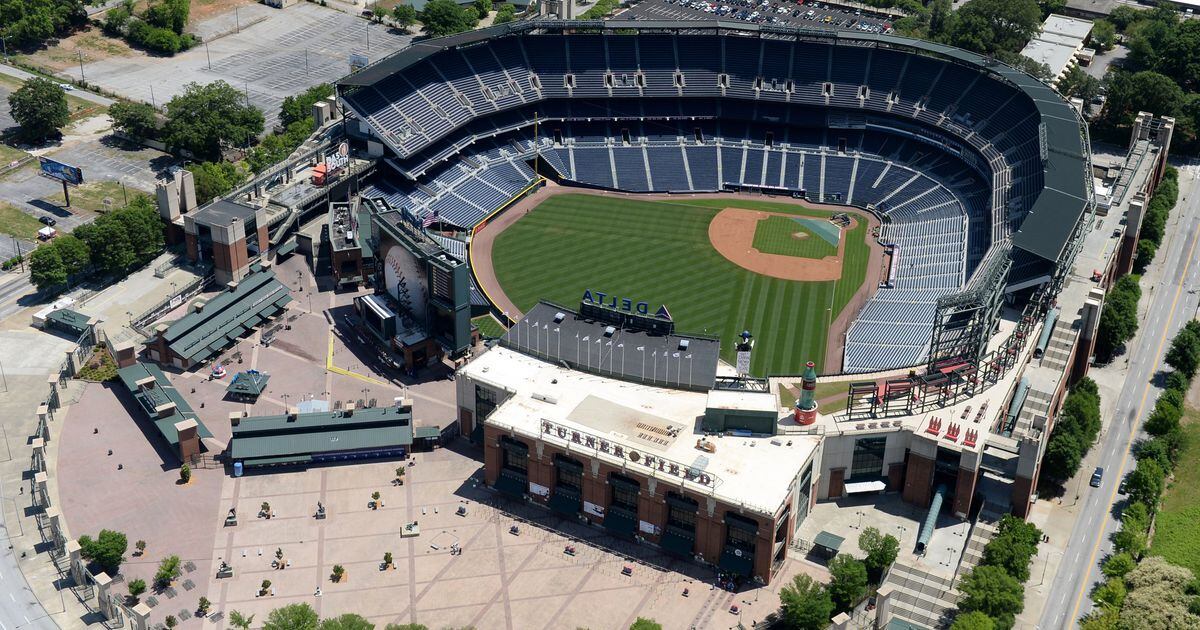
column 82, row 79
column 207, row 55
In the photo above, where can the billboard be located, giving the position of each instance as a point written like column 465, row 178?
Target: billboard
column 336, row 161
column 62, row 172
column 358, row 62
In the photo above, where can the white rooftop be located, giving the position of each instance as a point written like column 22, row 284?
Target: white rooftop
column 755, row 472
column 1074, row 27
column 1057, row 43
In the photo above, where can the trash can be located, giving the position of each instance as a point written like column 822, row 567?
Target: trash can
column 237, row 469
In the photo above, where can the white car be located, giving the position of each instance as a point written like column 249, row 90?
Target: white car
column 67, row 87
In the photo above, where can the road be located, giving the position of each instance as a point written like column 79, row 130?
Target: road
column 83, row 94
column 1172, row 302
column 19, row 607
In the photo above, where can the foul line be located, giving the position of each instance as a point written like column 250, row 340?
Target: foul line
column 487, row 220
column 337, row 370
column 1133, row 429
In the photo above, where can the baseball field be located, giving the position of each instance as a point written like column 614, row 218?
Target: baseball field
column 662, row 251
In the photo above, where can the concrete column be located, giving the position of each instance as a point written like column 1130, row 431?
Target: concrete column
column 55, row 516
column 1025, row 481
column 883, row 606
column 103, row 594
column 841, row 621
column 39, row 454
column 189, row 439
column 43, row 414
column 76, row 559
column 71, row 367
column 968, row 475
column 41, row 494
column 140, row 617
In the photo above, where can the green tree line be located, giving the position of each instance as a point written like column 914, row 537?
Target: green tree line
column 993, row 593
column 1074, row 432
column 112, row 245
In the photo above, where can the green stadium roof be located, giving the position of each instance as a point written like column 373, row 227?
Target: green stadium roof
column 224, row 319
column 306, row 434
column 152, row 398
column 250, row 383
column 67, row 320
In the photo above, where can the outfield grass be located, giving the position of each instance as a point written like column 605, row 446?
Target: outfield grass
column 658, row 251
column 777, row 235
column 1177, row 526
column 488, row 326
column 824, row 390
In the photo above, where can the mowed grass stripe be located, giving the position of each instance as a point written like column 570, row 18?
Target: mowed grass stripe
column 658, row 251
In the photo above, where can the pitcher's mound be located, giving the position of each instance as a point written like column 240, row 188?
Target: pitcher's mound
column 799, row 236
column 731, row 233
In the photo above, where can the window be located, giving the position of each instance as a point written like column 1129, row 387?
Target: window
column 723, row 80
column 868, row 457
column 679, row 81
column 624, row 492
column 515, row 455
column 740, row 532
column 827, row 89
column 568, row 473
column 485, row 402
column 681, row 512
column 569, row 81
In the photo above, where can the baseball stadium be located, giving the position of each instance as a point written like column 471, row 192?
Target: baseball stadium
column 862, row 201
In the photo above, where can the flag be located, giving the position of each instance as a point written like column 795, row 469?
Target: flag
column 641, row 348
column 429, row 219
column 676, row 355
column 587, row 337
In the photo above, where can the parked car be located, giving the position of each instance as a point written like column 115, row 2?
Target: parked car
column 1097, row 476
column 48, row 220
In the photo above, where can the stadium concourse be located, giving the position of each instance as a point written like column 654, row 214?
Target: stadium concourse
column 978, row 172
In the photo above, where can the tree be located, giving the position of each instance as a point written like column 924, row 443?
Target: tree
column 1110, row 594
column 214, row 179
column 1015, row 543
column 171, row 621
column 74, row 253
column 107, row 240
column 1063, row 455
column 1145, row 483
column 806, row 604
column 1118, row 565
column 238, row 620
column 185, row 473
column 203, row 605
column 135, row 119
column 881, row 551
column 1158, row 597
column 348, row 621
column 992, row 591
column 40, row 108
column 387, row 559
column 1118, row 320
column 973, row 620
column 1123, row 15
column 1146, row 249
column 1131, row 538
column 642, row 623
column 143, row 226
column 404, row 15
column 378, row 13
column 46, row 268
column 482, row 8
column 848, row 581
column 106, row 550
column 506, row 13
column 207, row 118
column 338, row 572
column 1104, row 35
column 1184, row 354
column 115, row 21
column 988, row 26
column 140, row 546
column 1133, row 92
column 1079, row 84
column 445, row 17
column 299, row 107
column 168, row 570
column 292, row 617
column 137, row 587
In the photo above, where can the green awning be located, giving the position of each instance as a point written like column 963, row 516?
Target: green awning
column 511, row 486
column 620, row 522
column 286, row 248
column 832, row 542
column 567, row 503
column 733, row 563
column 677, row 544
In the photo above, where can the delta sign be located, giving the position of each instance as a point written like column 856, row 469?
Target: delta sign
column 625, row 305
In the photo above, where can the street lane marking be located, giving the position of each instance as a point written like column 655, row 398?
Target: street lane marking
column 1133, row 430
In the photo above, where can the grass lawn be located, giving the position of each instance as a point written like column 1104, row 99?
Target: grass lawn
column 78, row 107
column 90, row 196
column 13, row 222
column 1177, row 527
column 824, row 390
column 488, row 326
column 10, row 154
column 658, row 251
column 778, row 235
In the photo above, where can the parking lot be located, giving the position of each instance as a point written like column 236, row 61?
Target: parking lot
column 280, row 53
column 773, row 12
